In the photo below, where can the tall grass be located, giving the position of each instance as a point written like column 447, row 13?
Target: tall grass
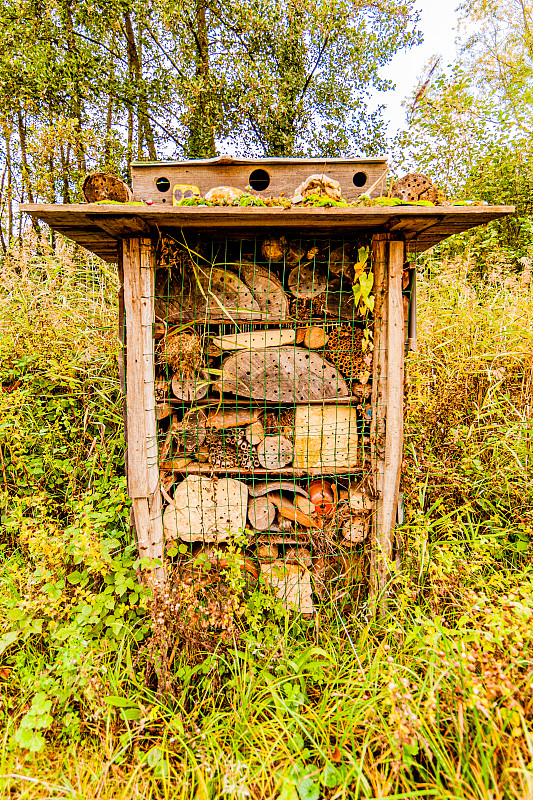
column 434, row 703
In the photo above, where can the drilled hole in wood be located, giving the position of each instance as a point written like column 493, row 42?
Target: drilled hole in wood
column 359, row 179
column 259, row 180
column 163, row 184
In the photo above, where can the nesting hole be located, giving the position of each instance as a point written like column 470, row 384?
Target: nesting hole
column 163, row 184
column 359, row 179
column 259, row 180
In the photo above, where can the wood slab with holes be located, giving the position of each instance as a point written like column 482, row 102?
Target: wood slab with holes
column 206, row 510
column 281, row 374
column 267, row 290
column 216, row 295
column 276, row 175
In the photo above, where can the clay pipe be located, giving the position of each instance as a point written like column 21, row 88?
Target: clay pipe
column 322, row 496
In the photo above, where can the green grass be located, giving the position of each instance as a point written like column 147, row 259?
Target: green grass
column 435, row 702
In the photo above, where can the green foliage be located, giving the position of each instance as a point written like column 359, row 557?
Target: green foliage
column 433, row 703
column 96, row 86
column 469, row 129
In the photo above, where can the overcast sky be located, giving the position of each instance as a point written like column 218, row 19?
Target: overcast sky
column 438, row 23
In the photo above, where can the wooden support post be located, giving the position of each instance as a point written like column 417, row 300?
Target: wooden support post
column 387, row 405
column 379, row 368
column 413, row 312
column 138, row 263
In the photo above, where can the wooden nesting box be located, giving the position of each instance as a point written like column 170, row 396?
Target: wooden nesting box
column 261, row 393
column 267, row 176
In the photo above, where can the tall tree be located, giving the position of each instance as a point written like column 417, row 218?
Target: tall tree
column 99, row 83
column 470, row 126
column 302, row 71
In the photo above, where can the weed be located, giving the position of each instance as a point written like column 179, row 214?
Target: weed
column 436, row 702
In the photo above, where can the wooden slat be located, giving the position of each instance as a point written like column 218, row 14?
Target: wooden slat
column 142, row 468
column 229, row 217
column 378, row 400
column 388, row 501
column 200, row 469
column 121, row 227
column 411, row 226
column 155, row 507
column 413, row 316
column 137, row 472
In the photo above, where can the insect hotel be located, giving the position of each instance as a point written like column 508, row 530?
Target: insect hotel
column 265, row 310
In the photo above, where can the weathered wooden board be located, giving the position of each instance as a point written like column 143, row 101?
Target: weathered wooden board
column 256, row 340
column 284, row 175
column 142, row 467
column 387, row 425
column 325, row 436
column 78, row 221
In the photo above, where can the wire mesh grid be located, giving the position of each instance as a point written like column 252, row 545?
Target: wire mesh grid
column 264, row 361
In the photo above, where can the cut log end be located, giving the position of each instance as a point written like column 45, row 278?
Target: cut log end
column 275, row 452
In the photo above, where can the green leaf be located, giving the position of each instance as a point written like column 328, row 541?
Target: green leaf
column 41, row 704
column 288, row 790
column 74, row 577
column 154, row 759
column 7, row 640
column 308, row 789
column 366, row 281
column 362, row 255
column 331, row 776
column 118, row 702
column 16, row 614
column 131, row 713
column 29, row 739
column 296, row 743
column 369, row 302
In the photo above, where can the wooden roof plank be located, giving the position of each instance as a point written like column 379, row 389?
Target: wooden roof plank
column 99, row 227
column 123, row 226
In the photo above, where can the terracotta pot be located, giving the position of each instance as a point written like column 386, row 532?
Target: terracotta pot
column 322, row 496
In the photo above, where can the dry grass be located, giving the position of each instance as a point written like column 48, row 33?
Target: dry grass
column 436, row 703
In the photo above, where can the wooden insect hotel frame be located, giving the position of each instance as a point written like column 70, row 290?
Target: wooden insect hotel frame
column 263, row 368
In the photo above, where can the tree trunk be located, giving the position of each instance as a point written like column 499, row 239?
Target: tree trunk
column 77, row 101
column 280, row 138
column 108, row 125
column 129, row 148
column 25, row 172
column 9, row 189
column 64, row 171
column 203, row 113
column 135, row 67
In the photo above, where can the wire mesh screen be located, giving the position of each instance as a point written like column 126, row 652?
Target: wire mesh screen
column 264, row 360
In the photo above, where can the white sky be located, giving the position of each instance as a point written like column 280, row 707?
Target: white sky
column 438, row 23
